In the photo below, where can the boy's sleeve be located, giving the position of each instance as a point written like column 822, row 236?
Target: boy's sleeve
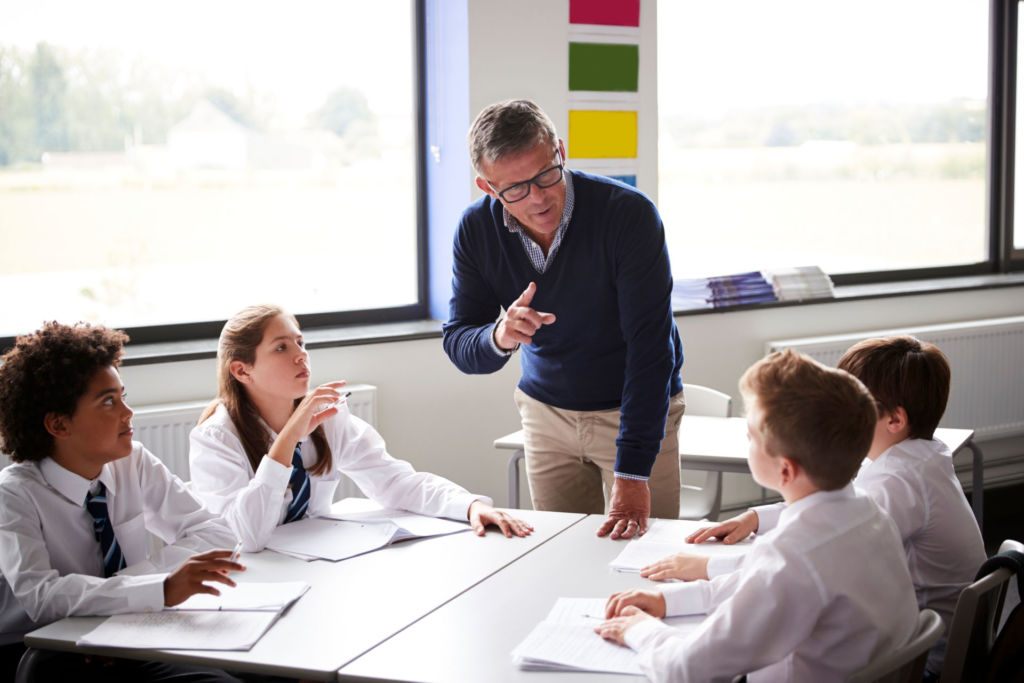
column 47, row 596
column 768, row 516
column 177, row 517
column 766, row 601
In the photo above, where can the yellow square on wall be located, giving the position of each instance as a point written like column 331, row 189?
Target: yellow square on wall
column 595, row 134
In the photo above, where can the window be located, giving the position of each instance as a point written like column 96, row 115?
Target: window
column 158, row 169
column 851, row 136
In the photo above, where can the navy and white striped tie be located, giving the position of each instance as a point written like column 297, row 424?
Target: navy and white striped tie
column 299, row 484
column 113, row 558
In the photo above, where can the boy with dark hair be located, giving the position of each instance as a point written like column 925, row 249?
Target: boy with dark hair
column 76, row 505
column 827, row 591
column 908, row 473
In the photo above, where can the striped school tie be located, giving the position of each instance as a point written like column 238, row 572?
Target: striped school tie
column 299, row 484
column 96, row 504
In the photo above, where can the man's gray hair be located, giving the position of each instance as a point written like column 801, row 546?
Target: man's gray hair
column 508, row 127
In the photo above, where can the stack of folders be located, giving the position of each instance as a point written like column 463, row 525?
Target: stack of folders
column 742, row 288
column 797, row 284
column 233, row 620
column 758, row 286
column 566, row 641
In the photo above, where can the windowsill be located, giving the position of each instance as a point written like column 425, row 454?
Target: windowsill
column 353, row 335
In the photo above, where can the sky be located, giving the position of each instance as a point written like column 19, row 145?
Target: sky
column 297, row 51
column 797, row 52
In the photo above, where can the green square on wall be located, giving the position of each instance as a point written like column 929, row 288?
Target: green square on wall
column 608, row 67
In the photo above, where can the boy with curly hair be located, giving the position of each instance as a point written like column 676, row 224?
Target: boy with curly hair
column 80, row 498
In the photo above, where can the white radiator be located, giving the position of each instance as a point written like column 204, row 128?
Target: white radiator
column 164, row 429
column 987, row 362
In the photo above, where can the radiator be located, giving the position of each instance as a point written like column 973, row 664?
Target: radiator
column 987, row 362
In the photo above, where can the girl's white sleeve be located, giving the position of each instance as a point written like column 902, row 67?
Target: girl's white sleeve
column 252, row 504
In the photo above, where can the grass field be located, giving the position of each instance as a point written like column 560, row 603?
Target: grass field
column 113, row 247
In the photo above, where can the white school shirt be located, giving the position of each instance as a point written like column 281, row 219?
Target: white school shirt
column 255, row 503
column 915, row 483
column 819, row 597
column 49, row 554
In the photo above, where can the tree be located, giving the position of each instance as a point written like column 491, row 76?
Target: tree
column 49, row 95
column 344, row 107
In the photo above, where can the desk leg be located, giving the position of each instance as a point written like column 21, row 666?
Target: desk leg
column 513, row 478
column 977, row 481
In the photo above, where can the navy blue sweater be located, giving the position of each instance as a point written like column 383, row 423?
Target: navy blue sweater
column 614, row 342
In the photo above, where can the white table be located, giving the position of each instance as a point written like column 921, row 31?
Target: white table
column 720, row 444
column 471, row 638
column 351, row 606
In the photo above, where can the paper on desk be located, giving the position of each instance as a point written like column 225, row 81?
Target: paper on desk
column 273, row 597
column 331, row 538
column 566, row 640
column 181, row 630
column 415, row 525
column 668, row 536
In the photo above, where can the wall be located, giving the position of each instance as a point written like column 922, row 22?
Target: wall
column 445, row 422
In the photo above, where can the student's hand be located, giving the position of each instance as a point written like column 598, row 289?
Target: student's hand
column 651, row 602
column 682, row 566
column 615, row 629
column 521, row 322
column 481, row 514
column 730, row 531
column 189, row 578
column 306, row 417
column 630, row 506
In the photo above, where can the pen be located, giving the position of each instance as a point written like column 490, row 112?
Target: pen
column 236, row 552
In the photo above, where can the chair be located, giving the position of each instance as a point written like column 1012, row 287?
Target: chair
column 975, row 620
column 705, row 501
column 906, row 663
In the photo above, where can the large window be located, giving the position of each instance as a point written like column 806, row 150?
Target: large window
column 851, row 136
column 172, row 164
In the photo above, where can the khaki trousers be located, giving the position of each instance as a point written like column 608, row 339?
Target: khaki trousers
column 570, row 457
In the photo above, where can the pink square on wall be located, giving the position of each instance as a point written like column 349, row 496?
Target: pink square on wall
column 605, row 12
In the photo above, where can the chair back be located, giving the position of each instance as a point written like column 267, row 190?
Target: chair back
column 906, row 663
column 705, row 501
column 975, row 622
column 706, row 402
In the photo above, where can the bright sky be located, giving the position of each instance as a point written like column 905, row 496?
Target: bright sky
column 297, row 51
column 714, row 56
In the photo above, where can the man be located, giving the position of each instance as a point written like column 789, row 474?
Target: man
column 580, row 266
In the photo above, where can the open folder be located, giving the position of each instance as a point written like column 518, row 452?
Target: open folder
column 340, row 535
column 233, row 620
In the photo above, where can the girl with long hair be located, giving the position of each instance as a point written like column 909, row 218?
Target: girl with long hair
column 268, row 450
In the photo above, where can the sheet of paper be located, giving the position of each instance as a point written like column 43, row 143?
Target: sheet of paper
column 416, row 525
column 566, row 641
column 181, row 630
column 666, row 537
column 272, row 597
column 575, row 647
column 330, row 539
